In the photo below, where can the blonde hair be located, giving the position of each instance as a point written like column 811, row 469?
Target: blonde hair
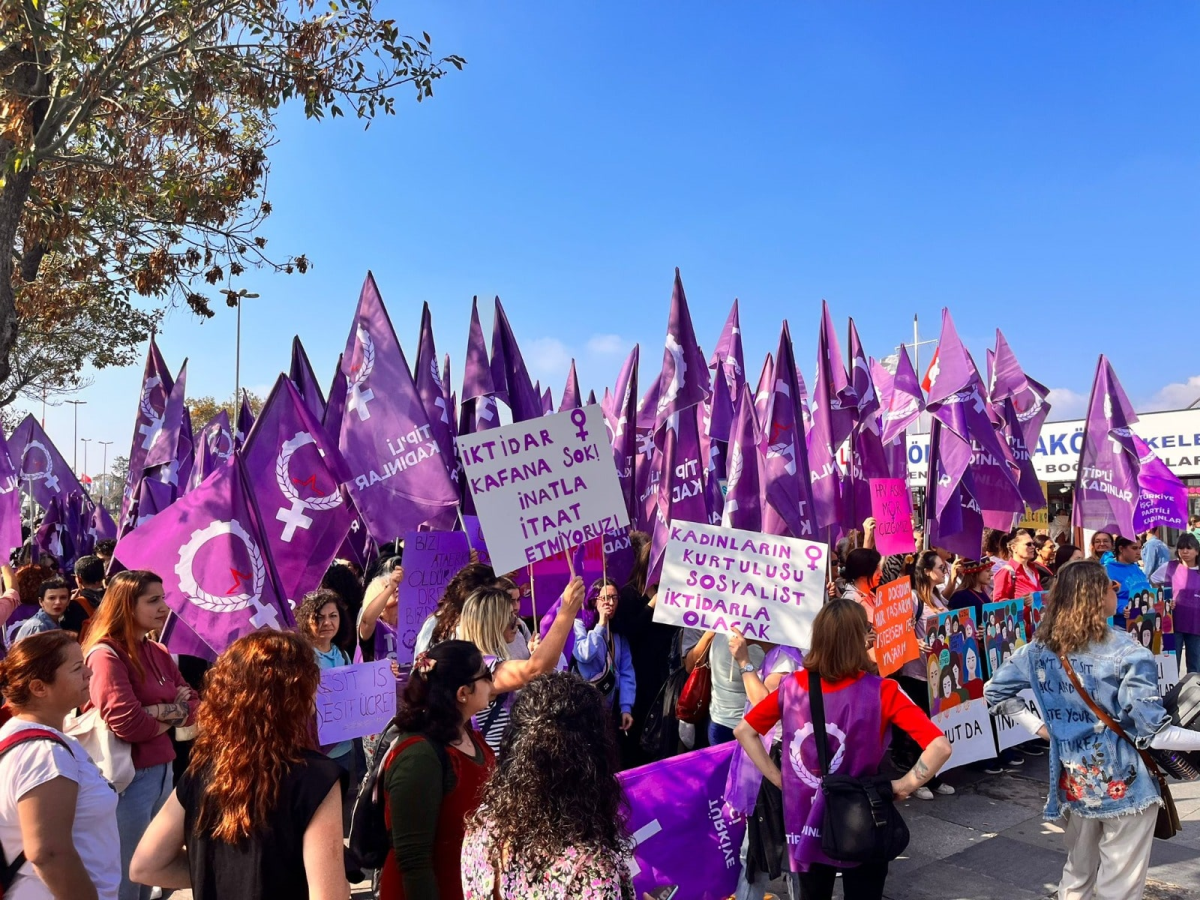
column 486, row 615
column 1075, row 615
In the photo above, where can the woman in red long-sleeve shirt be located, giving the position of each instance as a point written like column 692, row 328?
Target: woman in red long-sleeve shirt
column 141, row 695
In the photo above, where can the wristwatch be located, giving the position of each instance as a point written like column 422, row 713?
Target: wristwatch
column 748, row 668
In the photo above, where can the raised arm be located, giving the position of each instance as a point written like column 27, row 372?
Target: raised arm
column 513, row 674
column 382, row 594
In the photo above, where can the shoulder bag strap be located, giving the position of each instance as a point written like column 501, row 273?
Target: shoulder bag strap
column 816, row 706
column 1108, row 720
column 8, row 874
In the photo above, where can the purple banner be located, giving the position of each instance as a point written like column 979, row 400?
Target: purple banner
column 431, row 559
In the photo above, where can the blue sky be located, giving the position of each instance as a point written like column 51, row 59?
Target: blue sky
column 1034, row 167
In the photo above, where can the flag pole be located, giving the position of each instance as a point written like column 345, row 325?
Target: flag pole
column 532, row 592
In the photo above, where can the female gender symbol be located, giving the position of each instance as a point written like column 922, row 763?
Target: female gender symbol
column 579, row 417
column 813, row 553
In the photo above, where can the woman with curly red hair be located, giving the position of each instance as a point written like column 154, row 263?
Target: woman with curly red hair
column 259, row 809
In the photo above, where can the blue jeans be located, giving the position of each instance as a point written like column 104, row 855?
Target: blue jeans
column 719, row 734
column 139, row 803
column 1189, row 646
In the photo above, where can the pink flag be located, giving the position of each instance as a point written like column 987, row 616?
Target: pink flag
column 397, row 477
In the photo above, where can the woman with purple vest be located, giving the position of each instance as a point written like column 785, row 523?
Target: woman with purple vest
column 859, row 708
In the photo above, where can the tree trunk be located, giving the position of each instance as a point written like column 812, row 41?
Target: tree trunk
column 12, row 204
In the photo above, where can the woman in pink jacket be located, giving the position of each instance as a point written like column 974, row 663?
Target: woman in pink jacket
column 141, row 696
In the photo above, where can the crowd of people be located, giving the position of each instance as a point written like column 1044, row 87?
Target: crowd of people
column 498, row 776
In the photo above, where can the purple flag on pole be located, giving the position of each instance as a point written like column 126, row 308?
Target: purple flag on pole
column 954, row 520
column 1007, row 380
column 719, row 409
column 1162, row 497
column 10, row 502
column 294, row 484
column 547, row 401
column 102, row 526
column 509, row 375
column 828, row 430
column 213, row 561
column 903, row 402
column 397, row 477
column 153, row 496
column 305, row 380
column 336, row 407
column 683, row 382
column 728, row 355
column 245, row 419
column 572, row 397
column 152, row 404
column 789, row 500
column 214, row 448
column 865, row 458
column 646, row 469
column 895, row 451
column 681, row 840
column 1106, row 486
column 743, row 492
column 622, row 430
column 681, row 495
column 41, row 470
column 762, row 395
column 165, row 458
column 178, row 637
column 1014, row 436
column 428, row 378
column 479, row 411
column 51, row 536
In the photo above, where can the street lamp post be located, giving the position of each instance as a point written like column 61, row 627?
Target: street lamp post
column 85, row 442
column 105, row 444
column 75, row 447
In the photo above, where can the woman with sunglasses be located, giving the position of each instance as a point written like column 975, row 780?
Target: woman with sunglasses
column 434, row 773
column 488, row 622
column 1097, row 777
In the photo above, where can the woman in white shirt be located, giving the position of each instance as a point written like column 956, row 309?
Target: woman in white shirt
column 56, row 809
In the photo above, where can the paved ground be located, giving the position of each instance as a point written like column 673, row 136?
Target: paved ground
column 988, row 842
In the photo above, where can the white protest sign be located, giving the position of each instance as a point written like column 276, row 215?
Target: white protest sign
column 543, row 486
column 354, row 701
column 769, row 588
column 1008, row 732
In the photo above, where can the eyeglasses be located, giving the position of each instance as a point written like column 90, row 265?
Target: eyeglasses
column 485, row 674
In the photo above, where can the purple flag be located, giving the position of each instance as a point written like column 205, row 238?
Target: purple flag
column 398, row 479
column 646, row 470
column 214, row 448
column 1162, row 497
column 428, row 379
column 681, row 495
column 829, row 427
column 547, row 401
column 719, row 409
column 762, row 395
column 1014, row 436
column 479, row 392
column 178, row 637
column 1006, row 379
column 10, row 502
column 336, row 407
column 212, row 560
column 683, row 382
column 591, row 398
column 895, row 451
column 743, row 492
column 81, row 539
column 165, row 458
column 954, row 520
column 41, row 470
column 305, row 380
column 789, row 500
column 101, row 525
column 622, row 430
column 294, row 485
column 903, row 402
column 245, row 420
column 572, row 396
column 153, row 496
column 865, row 457
column 509, row 375
column 681, row 840
column 1106, row 486
column 728, row 355
column 51, row 536
column 156, row 386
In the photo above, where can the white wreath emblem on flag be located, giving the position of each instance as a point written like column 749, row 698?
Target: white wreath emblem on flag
column 154, row 418
column 678, row 374
column 46, row 475
column 264, row 614
column 294, row 516
column 798, row 766
column 358, row 394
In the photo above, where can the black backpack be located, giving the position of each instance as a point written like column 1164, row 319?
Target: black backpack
column 8, row 871
column 660, row 732
column 370, row 840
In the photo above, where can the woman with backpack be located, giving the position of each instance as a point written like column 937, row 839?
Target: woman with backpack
column 141, row 695
column 56, row 809
column 858, row 707
column 434, row 773
column 259, row 809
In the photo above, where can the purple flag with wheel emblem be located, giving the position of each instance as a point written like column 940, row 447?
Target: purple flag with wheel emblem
column 1008, row 380
column 295, row 486
column 743, row 494
column 101, row 525
column 902, row 402
column 245, row 419
column 209, row 551
column 683, row 382
column 305, row 379
column 214, row 448
column 478, row 402
column 763, row 393
column 152, row 405
column 728, row 355
column 335, row 408
column 646, row 470
column 41, row 470
column 681, row 496
column 786, row 487
column 832, row 420
column 621, row 420
column 396, row 474
column 10, row 502
column 866, row 458
column 572, row 396
column 428, row 378
column 169, row 458
column 509, row 375
column 683, row 845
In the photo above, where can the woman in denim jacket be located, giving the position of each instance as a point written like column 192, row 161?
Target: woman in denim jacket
column 1097, row 780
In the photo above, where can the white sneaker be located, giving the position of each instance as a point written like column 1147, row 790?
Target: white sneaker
column 944, row 789
column 155, row 893
column 923, row 793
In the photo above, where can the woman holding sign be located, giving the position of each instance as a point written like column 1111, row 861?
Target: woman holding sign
column 858, row 708
column 1097, row 690
column 1183, row 574
column 318, row 619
